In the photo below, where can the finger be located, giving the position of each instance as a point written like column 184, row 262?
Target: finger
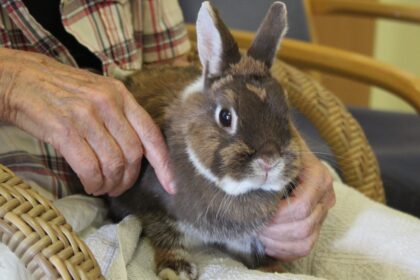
column 155, row 149
column 81, row 158
column 109, row 107
column 301, row 205
column 132, row 151
column 314, row 184
column 86, row 114
column 119, row 138
column 103, row 144
column 53, row 127
column 120, row 191
column 128, row 142
column 296, row 231
column 275, row 250
column 329, row 198
column 288, row 251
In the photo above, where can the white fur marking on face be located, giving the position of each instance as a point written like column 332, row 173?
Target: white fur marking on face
column 231, row 130
column 209, row 42
column 275, row 181
column 204, row 171
column 235, row 187
column 194, row 87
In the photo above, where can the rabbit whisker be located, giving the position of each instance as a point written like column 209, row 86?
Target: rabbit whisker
column 210, row 204
column 225, row 199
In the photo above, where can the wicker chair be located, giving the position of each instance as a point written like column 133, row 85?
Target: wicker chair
column 357, row 67
column 39, row 235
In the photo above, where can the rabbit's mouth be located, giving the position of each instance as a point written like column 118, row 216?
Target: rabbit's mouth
column 261, row 178
column 267, row 180
column 260, row 182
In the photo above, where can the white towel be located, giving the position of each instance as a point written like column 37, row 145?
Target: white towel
column 360, row 239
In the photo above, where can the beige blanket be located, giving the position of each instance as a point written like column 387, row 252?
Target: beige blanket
column 360, row 239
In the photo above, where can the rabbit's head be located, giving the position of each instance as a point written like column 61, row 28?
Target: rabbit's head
column 233, row 123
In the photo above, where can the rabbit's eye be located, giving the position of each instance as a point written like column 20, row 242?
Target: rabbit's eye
column 225, row 118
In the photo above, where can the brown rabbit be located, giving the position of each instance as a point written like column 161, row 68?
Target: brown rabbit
column 231, row 142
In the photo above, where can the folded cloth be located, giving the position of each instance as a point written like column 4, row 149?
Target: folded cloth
column 360, row 239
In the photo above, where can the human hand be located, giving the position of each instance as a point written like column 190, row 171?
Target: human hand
column 93, row 121
column 296, row 226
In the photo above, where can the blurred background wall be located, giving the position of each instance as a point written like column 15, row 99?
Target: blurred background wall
column 389, row 41
column 398, row 44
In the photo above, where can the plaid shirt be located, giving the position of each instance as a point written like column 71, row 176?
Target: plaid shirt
column 121, row 33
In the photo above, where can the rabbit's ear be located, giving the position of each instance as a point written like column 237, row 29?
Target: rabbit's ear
column 216, row 47
column 269, row 34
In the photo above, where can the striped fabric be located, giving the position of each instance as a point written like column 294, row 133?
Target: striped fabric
column 36, row 162
column 124, row 34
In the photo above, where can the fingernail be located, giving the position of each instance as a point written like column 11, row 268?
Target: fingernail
column 172, row 187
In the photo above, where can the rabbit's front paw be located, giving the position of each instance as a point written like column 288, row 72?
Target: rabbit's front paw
column 178, row 270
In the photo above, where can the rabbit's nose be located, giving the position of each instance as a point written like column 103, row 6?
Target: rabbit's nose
column 266, row 164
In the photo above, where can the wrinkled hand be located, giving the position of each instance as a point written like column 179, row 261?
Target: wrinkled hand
column 298, row 221
column 93, row 121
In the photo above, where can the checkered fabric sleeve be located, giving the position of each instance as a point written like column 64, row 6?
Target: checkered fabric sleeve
column 123, row 34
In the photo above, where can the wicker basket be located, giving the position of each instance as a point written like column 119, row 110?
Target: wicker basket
column 39, row 235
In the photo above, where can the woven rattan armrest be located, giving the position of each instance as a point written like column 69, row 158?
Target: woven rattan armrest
column 337, row 127
column 38, row 234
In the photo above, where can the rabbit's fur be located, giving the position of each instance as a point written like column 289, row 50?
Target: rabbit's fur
column 232, row 147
